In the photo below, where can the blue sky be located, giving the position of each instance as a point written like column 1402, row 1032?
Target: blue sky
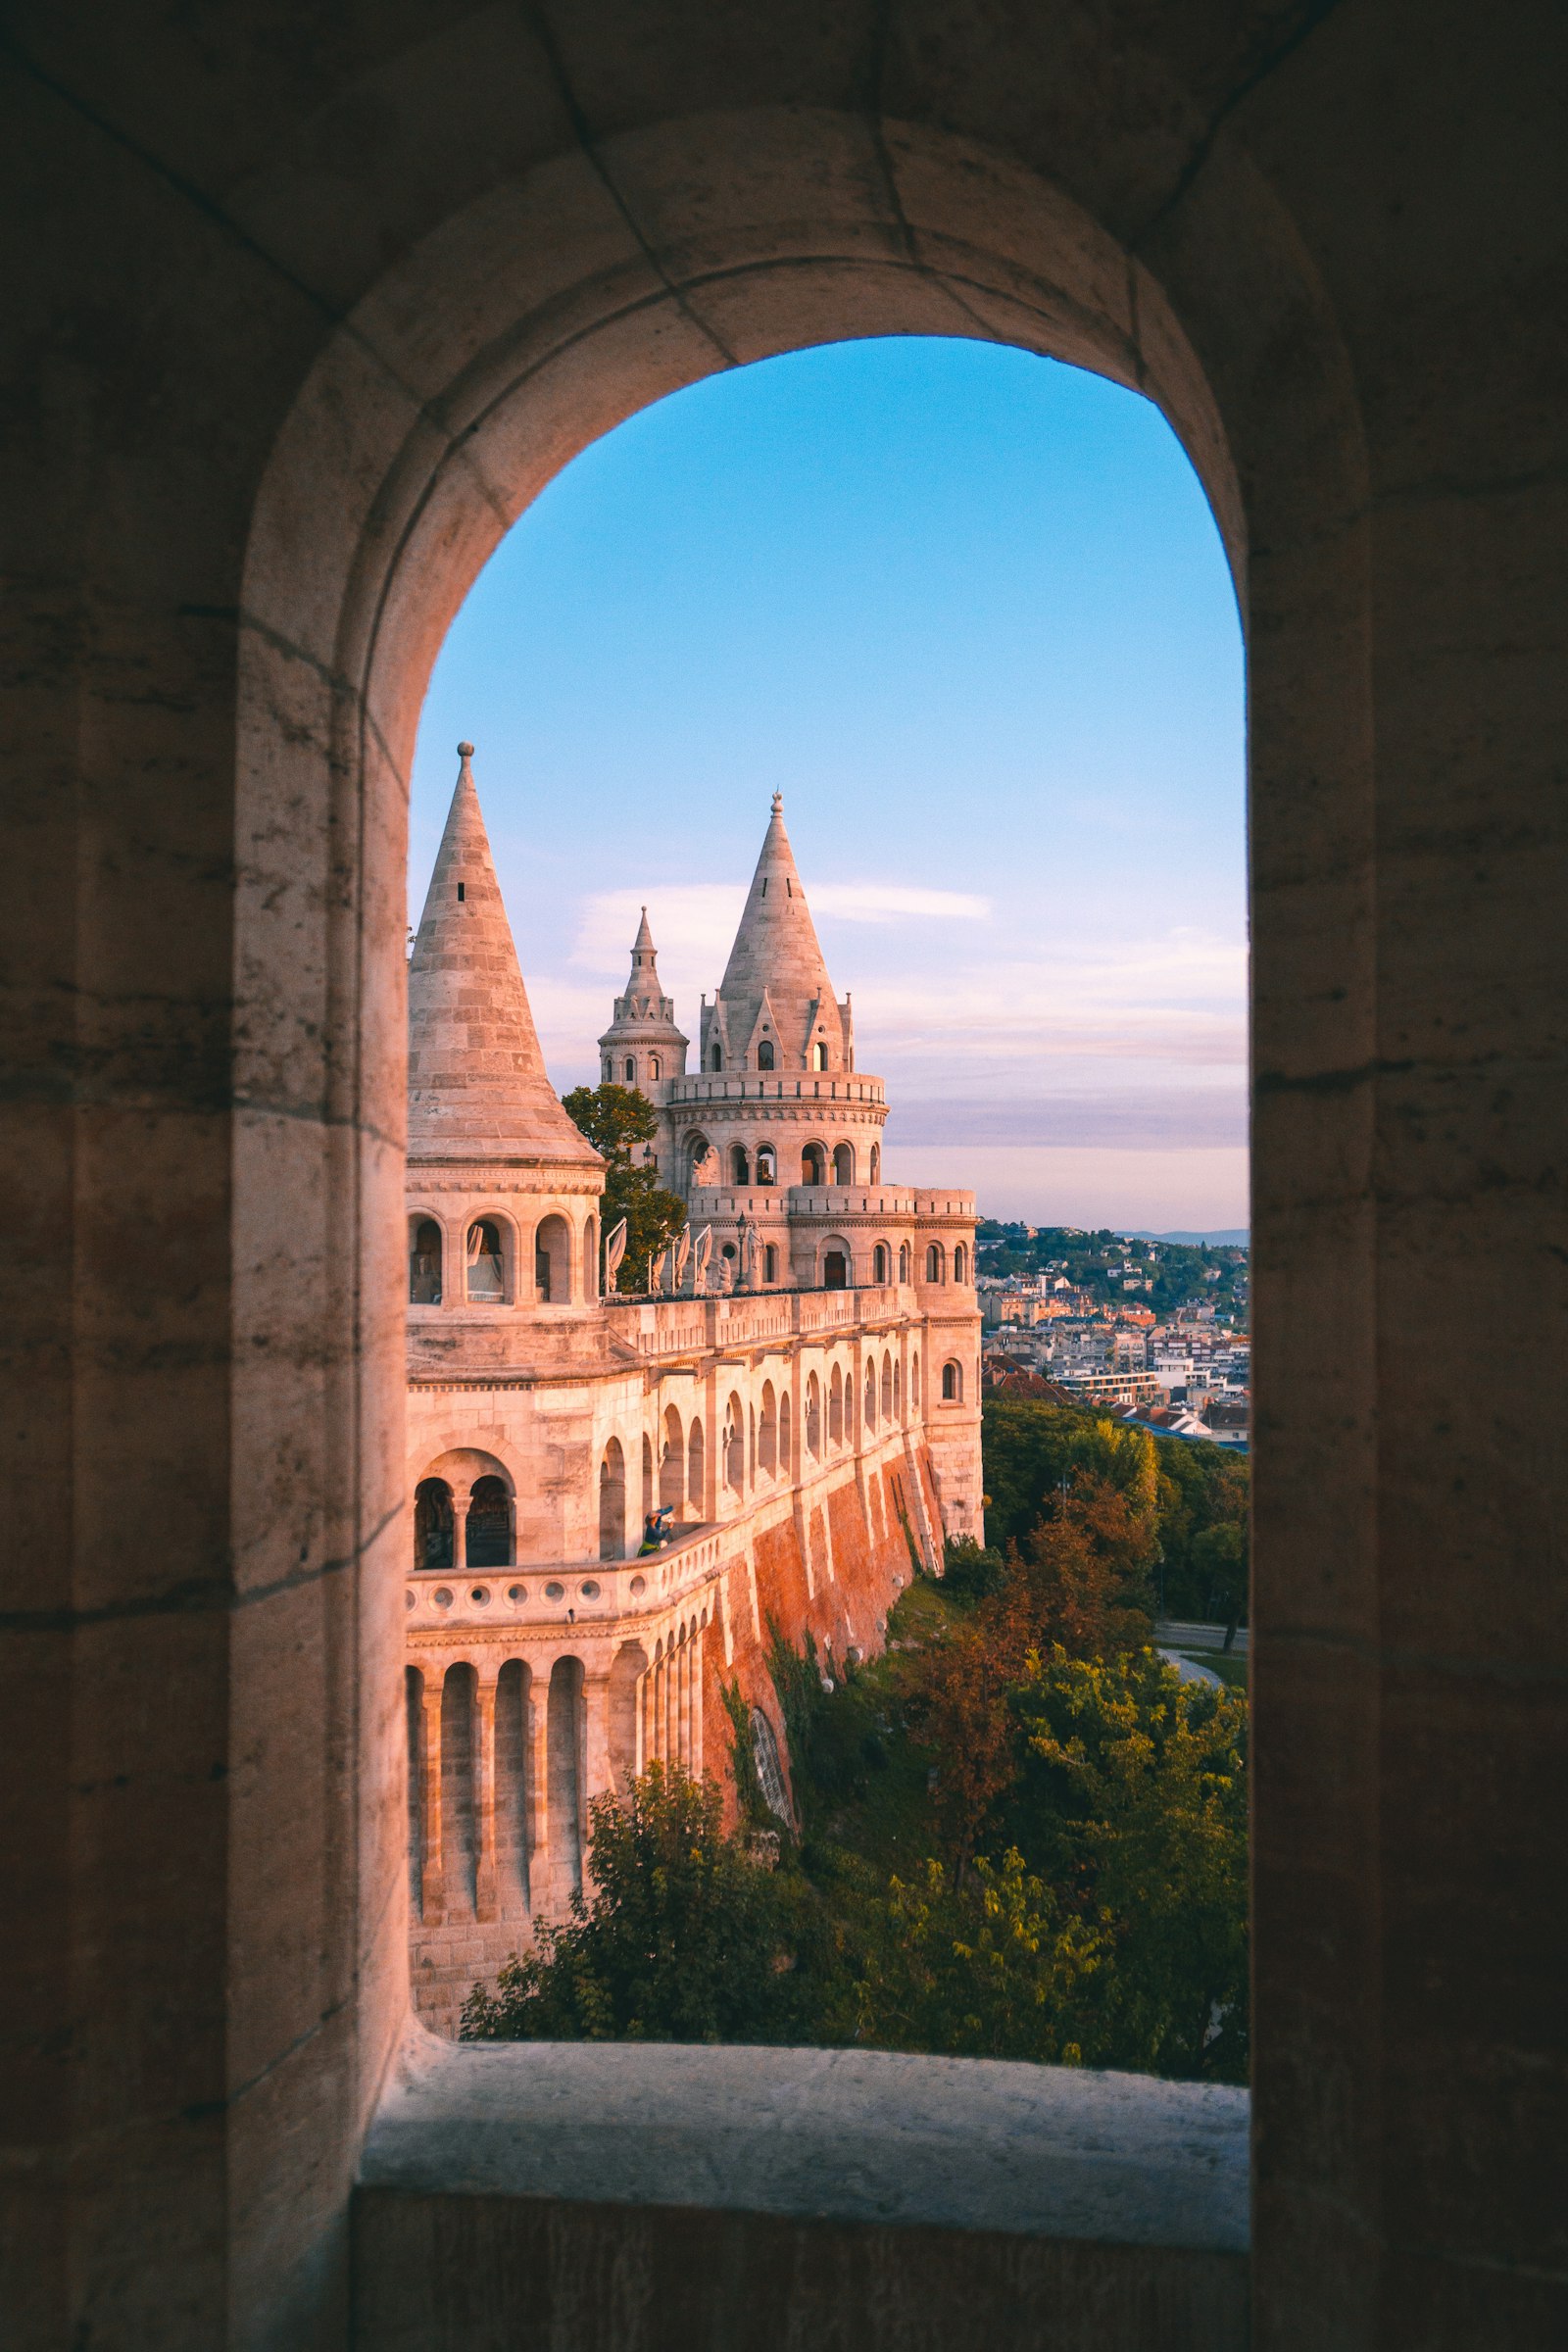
column 968, row 610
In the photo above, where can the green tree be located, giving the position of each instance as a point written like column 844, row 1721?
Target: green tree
column 618, row 1121
column 682, row 1937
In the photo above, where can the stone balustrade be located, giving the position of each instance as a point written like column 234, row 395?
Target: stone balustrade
column 670, row 1327
column 550, row 1596
column 745, row 1087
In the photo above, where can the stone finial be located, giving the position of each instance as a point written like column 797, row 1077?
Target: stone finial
column 778, row 804
column 464, row 750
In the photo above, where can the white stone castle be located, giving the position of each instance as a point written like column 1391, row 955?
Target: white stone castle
column 794, row 1412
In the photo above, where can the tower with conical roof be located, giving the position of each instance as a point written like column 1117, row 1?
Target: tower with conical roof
column 641, row 1047
column 775, row 1006
column 503, row 1191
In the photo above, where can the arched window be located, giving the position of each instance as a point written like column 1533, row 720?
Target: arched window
column 819, row 1056
column 876, row 1163
column 813, row 1164
column 951, row 1383
column 835, row 1271
column 786, row 1423
column 655, row 1068
column 696, row 1468
column 716, row 1061
column 769, row 1263
column 886, row 1387
column 914, row 1382
column 433, row 1524
column 734, row 1455
column 766, row 1164
column 843, row 1163
column 612, row 1502
column 961, row 1261
column 903, row 1261
column 898, row 1384
column 552, row 1261
column 879, row 1263
column 590, row 1259
column 486, row 1262
column 698, row 1153
column 648, row 1474
column 835, row 1408
column 765, row 1054
column 814, row 1417
column 740, row 1166
column 870, row 1408
column 672, row 1463
column 610, row 1070
column 425, row 1262
column 933, row 1262
column 489, row 1529
column 630, row 1067
column 767, row 1433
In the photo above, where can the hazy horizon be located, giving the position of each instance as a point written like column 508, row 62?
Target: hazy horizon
column 969, row 612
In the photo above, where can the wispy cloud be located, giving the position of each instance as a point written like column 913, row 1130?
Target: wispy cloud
column 893, row 903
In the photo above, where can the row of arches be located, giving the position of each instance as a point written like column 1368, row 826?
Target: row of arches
column 564, row 1274
column 627, row 1074
column 765, row 1056
column 744, row 1165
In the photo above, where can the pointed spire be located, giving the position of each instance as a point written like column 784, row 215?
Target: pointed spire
column 776, row 954
column 643, row 944
column 478, row 1087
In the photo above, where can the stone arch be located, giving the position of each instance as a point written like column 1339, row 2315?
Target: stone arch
column 881, row 1263
column 888, row 1405
column 701, row 1158
column 552, row 1261
column 767, row 1433
column 843, row 1163
column 590, row 1257
column 426, row 1259
column 836, row 1263
column 874, row 1165
column 813, row 1164
column 489, row 1256
column 814, row 1416
column 936, row 1260
column 740, row 1166
column 696, row 1468
column 953, row 1382
column 433, row 1525
column 786, row 1432
column 961, row 1262
column 733, row 1455
column 672, row 1461
column 903, row 1261
column 612, row 1502
column 490, row 1533
column 869, row 1409
column 835, row 1407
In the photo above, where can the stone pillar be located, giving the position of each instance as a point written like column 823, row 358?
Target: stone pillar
column 596, row 1738
column 434, row 1885
column 460, row 1534
column 484, row 1792
column 695, row 1646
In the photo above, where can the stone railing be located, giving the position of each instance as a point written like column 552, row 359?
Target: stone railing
column 549, row 1595
column 749, row 1086
column 671, row 1327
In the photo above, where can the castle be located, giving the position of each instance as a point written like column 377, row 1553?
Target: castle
column 801, row 1412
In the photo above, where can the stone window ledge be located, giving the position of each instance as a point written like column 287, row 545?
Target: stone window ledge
column 621, row 2195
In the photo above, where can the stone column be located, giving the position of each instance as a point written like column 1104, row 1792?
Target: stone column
column 433, row 1879
column 484, row 1792
column 596, row 1738
column 460, row 1534
column 695, row 1646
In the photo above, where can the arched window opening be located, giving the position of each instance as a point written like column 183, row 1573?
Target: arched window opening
column 486, row 1262
column 613, row 1504
column 414, row 1724
column 460, row 1845
column 914, row 1382
column 786, row 1424
column 696, row 1484
column 699, row 1155
column 765, row 1054
column 648, row 1476
column 887, row 1387
column 672, row 1463
column 961, row 1262
column 630, row 1068
column 835, row 1271
column 879, row 1263
column 733, row 1452
column 425, row 1262
column 813, row 1418
column 768, row 1435
column 590, row 1259
column 717, row 1059
column 813, row 1164
column 819, row 1056
column 876, row 1163
column 835, row 1408
column 903, row 1261
column 655, row 1068
column 769, row 1263
column 740, row 1166
column 933, row 1262
column 433, row 1524
column 769, row 1768
column 489, row 1525
column 870, row 1395
column 610, row 1070
column 563, row 1743
column 951, row 1383
column 766, row 1164
column 898, row 1384
column 552, row 1261
column 843, row 1163
column 511, row 1789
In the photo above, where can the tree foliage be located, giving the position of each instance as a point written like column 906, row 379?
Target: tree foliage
column 681, row 1938
column 619, row 1120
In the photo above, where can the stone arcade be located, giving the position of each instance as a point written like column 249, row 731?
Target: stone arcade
column 805, row 1406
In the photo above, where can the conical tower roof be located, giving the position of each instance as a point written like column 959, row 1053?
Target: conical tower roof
column 478, row 1088
column 776, row 953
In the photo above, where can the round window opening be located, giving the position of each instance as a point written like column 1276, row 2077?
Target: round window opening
column 590, row 1591
column 516, row 1593
column 443, row 1596
column 481, row 1595
column 769, row 1771
column 554, row 1591
column 639, row 1584
column 408, row 1600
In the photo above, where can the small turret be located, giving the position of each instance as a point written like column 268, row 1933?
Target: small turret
column 641, row 1047
column 775, row 1008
